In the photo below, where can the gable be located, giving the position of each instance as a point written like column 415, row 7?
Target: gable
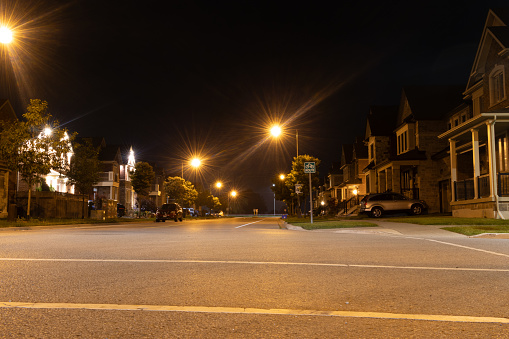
column 494, row 40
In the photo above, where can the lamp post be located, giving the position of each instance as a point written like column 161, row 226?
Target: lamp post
column 273, row 185
column 233, row 194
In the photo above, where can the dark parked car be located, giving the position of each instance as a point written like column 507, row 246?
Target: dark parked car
column 376, row 205
column 169, row 211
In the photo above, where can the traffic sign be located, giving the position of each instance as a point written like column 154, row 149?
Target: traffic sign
column 309, row 167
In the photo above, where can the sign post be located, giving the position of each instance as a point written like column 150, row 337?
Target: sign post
column 309, row 167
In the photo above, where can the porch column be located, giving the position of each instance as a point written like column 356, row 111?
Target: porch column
column 454, row 167
column 396, row 179
column 477, row 167
column 381, row 181
column 492, row 157
column 388, row 178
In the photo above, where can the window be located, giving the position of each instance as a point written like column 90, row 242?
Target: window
column 456, row 122
column 497, row 88
column 403, row 142
column 371, row 151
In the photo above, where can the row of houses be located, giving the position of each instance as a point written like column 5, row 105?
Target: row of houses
column 447, row 145
column 114, row 185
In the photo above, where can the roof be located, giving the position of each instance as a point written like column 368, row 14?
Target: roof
column 360, row 150
column 346, row 154
column 501, row 33
column 502, row 13
column 414, row 154
column 335, row 168
column 381, row 120
column 432, row 102
column 109, row 153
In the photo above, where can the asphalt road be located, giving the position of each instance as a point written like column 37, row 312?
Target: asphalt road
column 246, row 277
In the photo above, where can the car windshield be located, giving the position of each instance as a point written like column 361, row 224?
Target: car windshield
column 170, row 207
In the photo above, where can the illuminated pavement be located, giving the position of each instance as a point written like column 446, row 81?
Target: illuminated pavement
column 248, row 278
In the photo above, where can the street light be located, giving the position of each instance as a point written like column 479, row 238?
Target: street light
column 274, row 185
column 276, row 131
column 233, row 194
column 5, row 35
column 195, row 162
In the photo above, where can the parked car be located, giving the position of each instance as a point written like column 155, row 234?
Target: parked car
column 376, row 205
column 189, row 211
column 169, row 211
column 120, row 210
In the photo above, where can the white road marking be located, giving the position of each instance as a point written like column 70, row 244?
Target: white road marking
column 242, row 310
column 461, row 246
column 248, row 224
column 238, row 262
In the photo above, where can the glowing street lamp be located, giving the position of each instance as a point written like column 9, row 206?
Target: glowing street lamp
column 5, row 35
column 233, row 194
column 281, row 177
column 195, row 162
column 218, row 184
column 275, row 131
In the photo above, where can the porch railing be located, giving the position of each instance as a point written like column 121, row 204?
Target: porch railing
column 464, row 189
column 484, row 185
column 503, row 184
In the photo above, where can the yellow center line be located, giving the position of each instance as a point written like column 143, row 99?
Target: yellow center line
column 241, row 310
column 239, row 262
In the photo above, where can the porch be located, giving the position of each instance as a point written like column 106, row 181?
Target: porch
column 479, row 162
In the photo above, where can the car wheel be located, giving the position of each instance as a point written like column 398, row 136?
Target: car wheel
column 416, row 209
column 180, row 219
column 176, row 220
column 157, row 220
column 376, row 212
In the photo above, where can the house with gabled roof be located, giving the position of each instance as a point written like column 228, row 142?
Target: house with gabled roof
column 109, row 178
column 478, row 134
column 410, row 170
column 380, row 141
column 354, row 158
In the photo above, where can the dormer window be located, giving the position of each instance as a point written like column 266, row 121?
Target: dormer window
column 403, row 142
column 497, row 88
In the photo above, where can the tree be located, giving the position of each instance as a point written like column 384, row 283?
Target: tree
column 84, row 170
column 204, row 198
column 297, row 176
column 35, row 145
column 181, row 190
column 141, row 178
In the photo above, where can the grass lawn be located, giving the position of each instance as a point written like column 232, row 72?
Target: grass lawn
column 448, row 220
column 40, row 222
column 324, row 223
column 479, row 229
column 466, row 226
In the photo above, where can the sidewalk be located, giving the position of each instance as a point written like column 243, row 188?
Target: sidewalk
column 406, row 229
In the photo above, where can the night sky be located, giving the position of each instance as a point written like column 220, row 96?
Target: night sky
column 178, row 78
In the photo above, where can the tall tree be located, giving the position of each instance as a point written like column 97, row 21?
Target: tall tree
column 35, row 145
column 181, row 190
column 297, row 176
column 84, row 169
column 141, row 178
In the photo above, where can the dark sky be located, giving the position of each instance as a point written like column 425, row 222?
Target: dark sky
column 175, row 78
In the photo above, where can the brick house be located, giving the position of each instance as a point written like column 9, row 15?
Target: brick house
column 412, row 170
column 354, row 158
column 380, row 141
column 109, row 178
column 478, row 131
